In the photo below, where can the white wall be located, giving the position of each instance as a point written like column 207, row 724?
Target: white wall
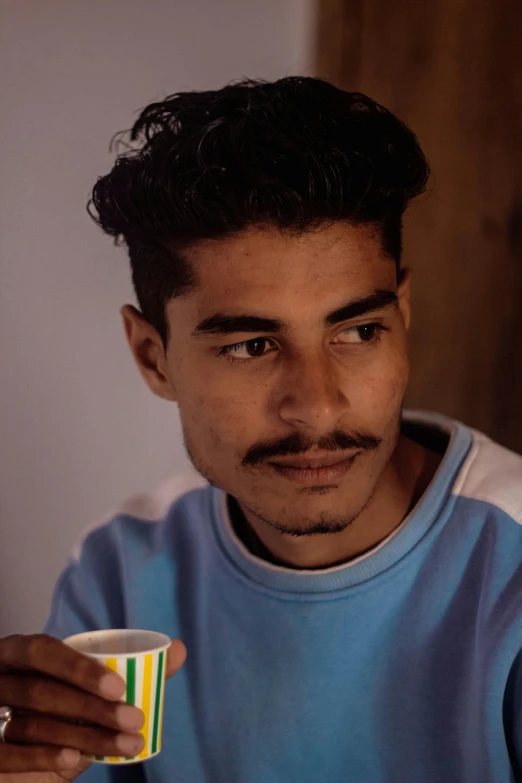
column 79, row 431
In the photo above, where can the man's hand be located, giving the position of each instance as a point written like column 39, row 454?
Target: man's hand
column 64, row 704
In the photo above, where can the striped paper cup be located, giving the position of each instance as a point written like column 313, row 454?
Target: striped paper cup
column 140, row 657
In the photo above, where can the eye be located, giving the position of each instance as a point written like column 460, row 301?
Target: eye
column 366, row 333
column 256, row 348
column 250, row 349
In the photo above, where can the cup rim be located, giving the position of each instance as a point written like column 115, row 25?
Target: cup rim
column 164, row 642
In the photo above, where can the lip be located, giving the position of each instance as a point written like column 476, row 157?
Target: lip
column 314, row 475
column 319, row 461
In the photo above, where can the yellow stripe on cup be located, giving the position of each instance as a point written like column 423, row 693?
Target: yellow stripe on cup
column 112, row 664
column 147, row 684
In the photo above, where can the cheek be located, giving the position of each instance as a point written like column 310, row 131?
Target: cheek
column 222, row 422
column 381, row 388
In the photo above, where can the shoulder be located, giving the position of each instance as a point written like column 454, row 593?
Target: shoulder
column 492, row 474
column 145, row 510
column 125, row 545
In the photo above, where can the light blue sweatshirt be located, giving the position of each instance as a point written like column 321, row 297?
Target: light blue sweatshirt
column 402, row 666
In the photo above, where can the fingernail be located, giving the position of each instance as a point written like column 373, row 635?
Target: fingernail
column 129, row 717
column 129, row 746
column 69, row 757
column 112, row 686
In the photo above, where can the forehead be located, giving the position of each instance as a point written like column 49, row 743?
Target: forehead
column 266, row 268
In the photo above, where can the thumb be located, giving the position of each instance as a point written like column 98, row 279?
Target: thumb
column 176, row 655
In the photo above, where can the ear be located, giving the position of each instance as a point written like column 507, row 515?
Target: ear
column 147, row 348
column 403, row 293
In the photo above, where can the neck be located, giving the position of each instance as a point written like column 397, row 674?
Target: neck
column 402, row 484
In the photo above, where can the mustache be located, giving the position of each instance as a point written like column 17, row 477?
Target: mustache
column 297, row 444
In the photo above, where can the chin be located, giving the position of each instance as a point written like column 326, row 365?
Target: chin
column 319, row 516
column 320, row 526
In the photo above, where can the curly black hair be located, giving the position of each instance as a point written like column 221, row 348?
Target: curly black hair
column 290, row 154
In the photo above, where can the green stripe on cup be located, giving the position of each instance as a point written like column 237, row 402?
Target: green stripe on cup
column 130, row 695
column 157, row 703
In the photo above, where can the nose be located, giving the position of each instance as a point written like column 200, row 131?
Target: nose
column 312, row 395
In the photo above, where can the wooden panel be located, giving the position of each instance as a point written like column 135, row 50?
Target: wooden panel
column 452, row 70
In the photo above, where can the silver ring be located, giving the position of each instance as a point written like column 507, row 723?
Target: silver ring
column 6, row 714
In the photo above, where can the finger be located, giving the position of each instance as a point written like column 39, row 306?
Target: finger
column 15, row 758
column 72, row 774
column 45, row 695
column 91, row 740
column 176, row 656
column 50, row 656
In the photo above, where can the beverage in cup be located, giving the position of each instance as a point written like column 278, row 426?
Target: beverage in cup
column 140, row 658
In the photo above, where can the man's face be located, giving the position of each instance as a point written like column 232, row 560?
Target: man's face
column 308, row 383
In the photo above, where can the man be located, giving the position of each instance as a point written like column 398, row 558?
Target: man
column 342, row 577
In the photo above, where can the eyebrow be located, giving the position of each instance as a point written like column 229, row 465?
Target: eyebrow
column 222, row 323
